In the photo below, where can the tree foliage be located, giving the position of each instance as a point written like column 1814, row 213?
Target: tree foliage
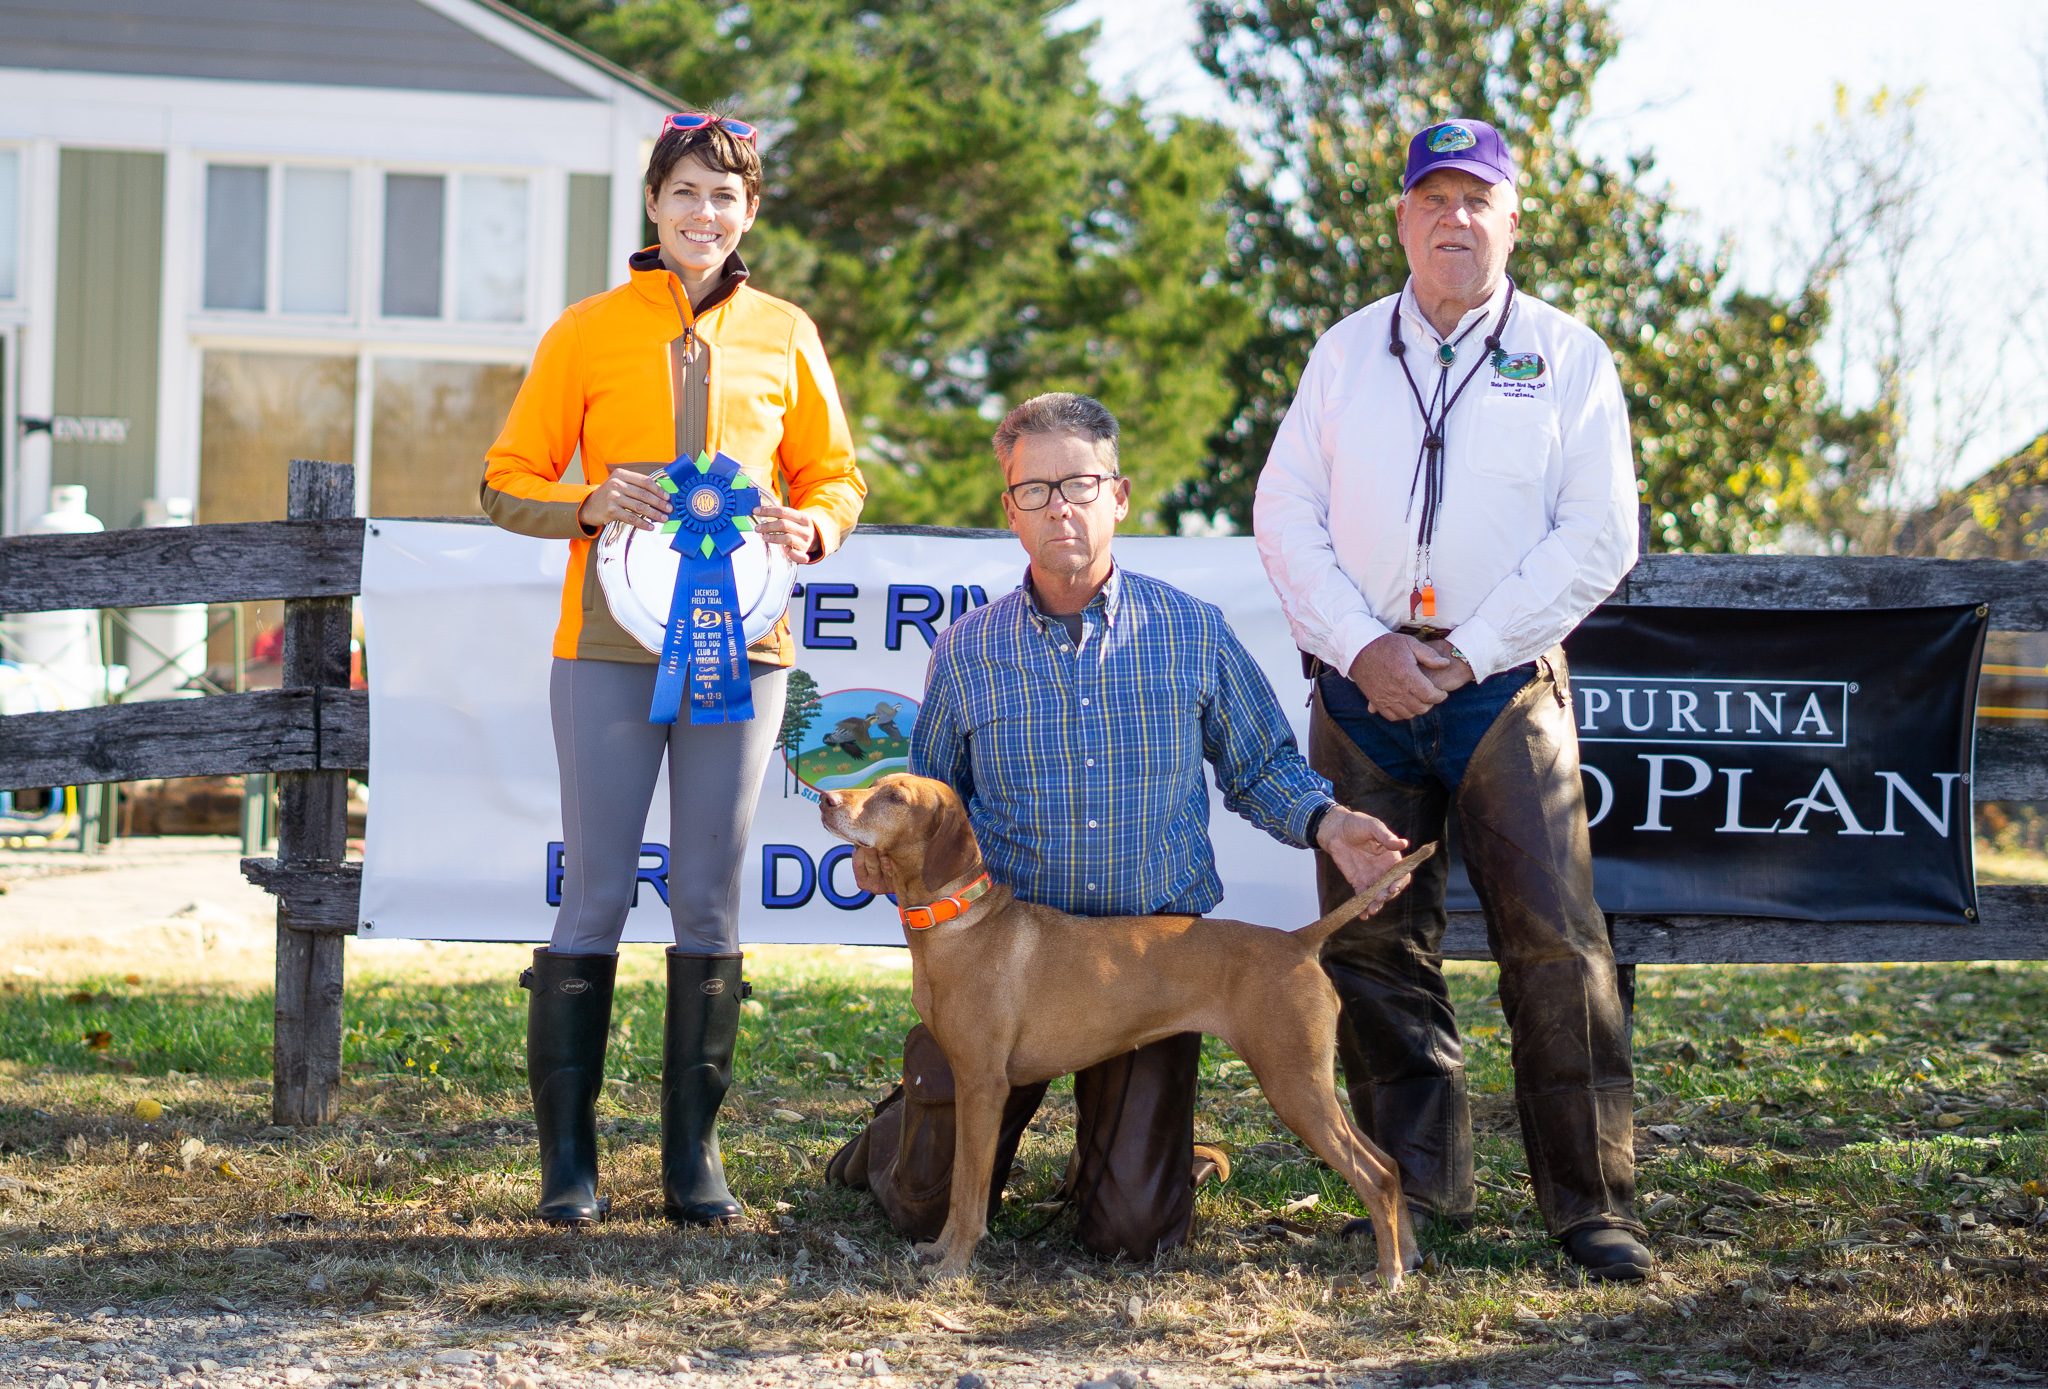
column 969, row 220
column 1723, row 390
column 1914, row 395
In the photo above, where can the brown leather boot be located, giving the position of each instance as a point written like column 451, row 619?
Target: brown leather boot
column 1522, row 813
column 1397, row 1040
column 905, row 1155
column 1132, row 1178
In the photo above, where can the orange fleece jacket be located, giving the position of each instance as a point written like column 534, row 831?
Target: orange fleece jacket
column 601, row 380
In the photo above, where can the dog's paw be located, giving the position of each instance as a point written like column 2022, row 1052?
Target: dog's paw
column 949, row 1266
column 948, row 1271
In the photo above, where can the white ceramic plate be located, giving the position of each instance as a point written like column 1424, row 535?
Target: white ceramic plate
column 637, row 571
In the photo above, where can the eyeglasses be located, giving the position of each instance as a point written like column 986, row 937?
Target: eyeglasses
column 1079, row 489
column 697, row 120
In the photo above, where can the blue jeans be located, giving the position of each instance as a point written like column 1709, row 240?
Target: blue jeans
column 1434, row 745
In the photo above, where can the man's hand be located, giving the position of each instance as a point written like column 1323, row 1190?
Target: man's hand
column 1452, row 676
column 1396, row 674
column 625, row 496
column 867, row 870
column 1362, row 847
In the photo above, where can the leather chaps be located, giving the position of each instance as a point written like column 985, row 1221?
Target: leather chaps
column 1522, row 820
column 1130, row 1178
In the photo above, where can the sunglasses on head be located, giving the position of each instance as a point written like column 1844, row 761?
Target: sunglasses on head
column 696, row 120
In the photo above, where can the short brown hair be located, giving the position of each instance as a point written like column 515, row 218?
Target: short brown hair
column 1057, row 412
column 716, row 146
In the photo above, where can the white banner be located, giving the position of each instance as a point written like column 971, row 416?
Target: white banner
column 465, row 812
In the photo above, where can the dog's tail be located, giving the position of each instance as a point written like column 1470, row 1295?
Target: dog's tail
column 1314, row 936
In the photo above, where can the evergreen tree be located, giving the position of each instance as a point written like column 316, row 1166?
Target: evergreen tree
column 1723, row 391
column 800, row 709
column 969, row 220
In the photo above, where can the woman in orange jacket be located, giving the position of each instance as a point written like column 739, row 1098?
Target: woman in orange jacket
column 684, row 357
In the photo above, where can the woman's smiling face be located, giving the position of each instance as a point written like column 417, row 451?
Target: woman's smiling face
column 700, row 213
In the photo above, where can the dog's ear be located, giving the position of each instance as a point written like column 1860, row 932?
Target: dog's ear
column 952, row 849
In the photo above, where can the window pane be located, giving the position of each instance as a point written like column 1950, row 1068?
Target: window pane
column 237, row 227
column 258, row 411
column 433, row 422
column 491, row 252
column 315, row 252
column 412, row 245
column 10, row 220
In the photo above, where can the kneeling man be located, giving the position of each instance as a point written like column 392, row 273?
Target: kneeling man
column 1073, row 717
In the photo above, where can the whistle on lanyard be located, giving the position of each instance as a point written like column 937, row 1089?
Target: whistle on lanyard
column 1422, row 601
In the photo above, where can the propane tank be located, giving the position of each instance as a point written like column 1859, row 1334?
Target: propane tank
column 63, row 646
column 176, row 634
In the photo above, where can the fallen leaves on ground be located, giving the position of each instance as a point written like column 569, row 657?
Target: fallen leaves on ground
column 1844, row 1170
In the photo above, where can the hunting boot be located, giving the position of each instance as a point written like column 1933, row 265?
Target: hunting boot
column 1397, row 1039
column 1522, row 810
column 704, row 994
column 568, row 1019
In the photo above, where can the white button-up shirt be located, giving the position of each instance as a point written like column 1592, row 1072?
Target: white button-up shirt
column 1538, row 519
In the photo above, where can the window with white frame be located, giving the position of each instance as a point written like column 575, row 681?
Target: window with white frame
column 477, row 275
column 313, row 241
column 10, row 223
column 277, row 239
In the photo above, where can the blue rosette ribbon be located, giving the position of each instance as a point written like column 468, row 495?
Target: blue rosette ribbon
column 704, row 650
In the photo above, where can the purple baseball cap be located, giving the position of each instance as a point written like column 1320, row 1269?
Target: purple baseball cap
column 1473, row 146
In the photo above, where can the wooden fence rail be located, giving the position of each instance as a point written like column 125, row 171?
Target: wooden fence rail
column 314, row 730
column 291, row 730
column 160, row 566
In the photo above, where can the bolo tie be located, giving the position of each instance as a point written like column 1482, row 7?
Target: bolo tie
column 1428, row 478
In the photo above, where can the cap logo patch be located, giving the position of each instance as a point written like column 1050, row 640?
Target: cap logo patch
column 1448, row 138
column 713, row 986
column 1520, row 366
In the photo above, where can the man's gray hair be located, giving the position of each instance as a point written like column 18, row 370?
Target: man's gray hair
column 1057, row 412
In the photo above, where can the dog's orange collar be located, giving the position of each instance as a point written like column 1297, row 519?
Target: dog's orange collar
column 946, row 908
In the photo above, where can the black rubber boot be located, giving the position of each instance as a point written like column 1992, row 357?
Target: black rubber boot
column 704, row 994
column 568, row 1020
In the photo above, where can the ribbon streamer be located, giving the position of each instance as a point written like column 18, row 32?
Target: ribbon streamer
column 704, row 653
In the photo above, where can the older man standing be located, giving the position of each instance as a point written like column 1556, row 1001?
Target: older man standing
column 1451, row 493
column 1073, row 716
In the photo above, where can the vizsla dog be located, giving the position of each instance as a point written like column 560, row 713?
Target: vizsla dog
column 1018, row 993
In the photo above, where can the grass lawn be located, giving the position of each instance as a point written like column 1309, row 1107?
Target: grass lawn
column 1844, row 1168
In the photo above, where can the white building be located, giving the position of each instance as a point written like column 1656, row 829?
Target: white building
column 264, row 229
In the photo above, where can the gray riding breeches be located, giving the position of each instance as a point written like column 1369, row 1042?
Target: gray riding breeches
column 610, row 756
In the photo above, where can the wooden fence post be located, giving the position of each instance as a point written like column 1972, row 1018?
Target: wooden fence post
column 312, row 829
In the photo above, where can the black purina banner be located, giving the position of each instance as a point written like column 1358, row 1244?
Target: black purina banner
column 1768, row 763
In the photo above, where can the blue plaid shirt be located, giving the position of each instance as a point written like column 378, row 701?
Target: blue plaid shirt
column 1081, row 765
